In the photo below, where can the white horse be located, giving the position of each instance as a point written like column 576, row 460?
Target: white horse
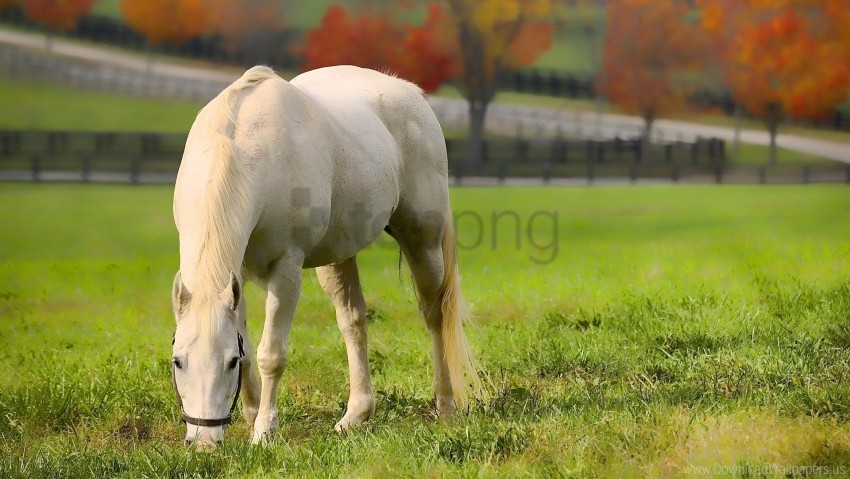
column 279, row 176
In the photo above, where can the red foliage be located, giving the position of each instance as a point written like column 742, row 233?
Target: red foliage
column 532, row 41
column 58, row 14
column 373, row 39
column 784, row 57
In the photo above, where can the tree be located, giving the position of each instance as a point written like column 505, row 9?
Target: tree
column 781, row 58
column 377, row 39
column 648, row 47
column 473, row 42
column 165, row 21
column 249, row 28
column 57, row 14
column 4, row 4
column 494, row 37
column 838, row 15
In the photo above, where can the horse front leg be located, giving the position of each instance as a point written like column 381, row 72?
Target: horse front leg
column 341, row 282
column 250, row 393
column 283, row 288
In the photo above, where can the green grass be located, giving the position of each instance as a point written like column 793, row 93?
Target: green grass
column 676, row 331
column 35, row 105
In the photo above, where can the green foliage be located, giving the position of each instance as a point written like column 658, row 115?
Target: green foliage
column 676, row 329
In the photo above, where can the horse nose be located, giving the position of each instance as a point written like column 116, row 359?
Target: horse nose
column 203, row 445
column 208, row 445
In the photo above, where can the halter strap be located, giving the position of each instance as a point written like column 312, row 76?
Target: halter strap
column 195, row 421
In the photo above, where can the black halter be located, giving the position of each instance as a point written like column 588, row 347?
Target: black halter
column 209, row 422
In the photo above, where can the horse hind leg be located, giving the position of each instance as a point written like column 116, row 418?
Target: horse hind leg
column 429, row 248
column 341, row 282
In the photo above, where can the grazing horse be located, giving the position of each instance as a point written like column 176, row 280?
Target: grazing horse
column 279, row 176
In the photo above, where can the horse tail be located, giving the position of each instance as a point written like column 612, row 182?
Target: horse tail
column 463, row 369
column 251, row 78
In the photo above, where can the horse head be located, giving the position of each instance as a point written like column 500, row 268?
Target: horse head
column 206, row 359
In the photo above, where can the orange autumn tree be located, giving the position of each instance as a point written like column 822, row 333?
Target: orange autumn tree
column 4, row 4
column 648, row 47
column 494, row 37
column 57, row 14
column 377, row 39
column 781, row 58
column 165, row 21
column 249, row 28
column 838, row 12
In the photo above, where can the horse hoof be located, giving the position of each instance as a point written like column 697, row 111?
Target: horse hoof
column 446, row 407
column 261, row 438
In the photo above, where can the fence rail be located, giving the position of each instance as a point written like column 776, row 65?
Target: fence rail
column 155, row 158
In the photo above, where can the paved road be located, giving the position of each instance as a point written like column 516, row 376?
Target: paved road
column 529, row 121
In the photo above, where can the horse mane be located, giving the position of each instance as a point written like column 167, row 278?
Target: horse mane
column 228, row 200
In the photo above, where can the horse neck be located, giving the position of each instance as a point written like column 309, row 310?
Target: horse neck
column 217, row 221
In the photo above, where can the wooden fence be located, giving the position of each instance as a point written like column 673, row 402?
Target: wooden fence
column 155, row 158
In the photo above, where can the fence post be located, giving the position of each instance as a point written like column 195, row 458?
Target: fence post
column 695, row 151
column 500, row 174
column 86, row 175
column 806, row 171
column 522, row 150
column 718, row 174
column 36, row 168
column 134, row 170
column 674, row 171
column 847, row 174
column 762, row 175
column 633, row 173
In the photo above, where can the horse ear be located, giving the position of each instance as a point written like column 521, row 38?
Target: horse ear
column 180, row 296
column 233, row 293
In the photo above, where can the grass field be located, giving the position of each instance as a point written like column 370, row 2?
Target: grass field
column 633, row 332
column 32, row 105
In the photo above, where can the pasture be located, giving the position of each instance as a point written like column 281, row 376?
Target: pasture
column 666, row 331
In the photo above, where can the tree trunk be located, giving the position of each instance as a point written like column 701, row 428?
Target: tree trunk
column 772, row 129
column 649, row 120
column 772, row 119
column 737, row 143
column 474, row 143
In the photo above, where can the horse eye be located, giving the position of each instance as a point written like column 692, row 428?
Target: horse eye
column 177, row 363
column 233, row 362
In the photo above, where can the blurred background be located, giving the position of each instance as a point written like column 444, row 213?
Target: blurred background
column 528, row 91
